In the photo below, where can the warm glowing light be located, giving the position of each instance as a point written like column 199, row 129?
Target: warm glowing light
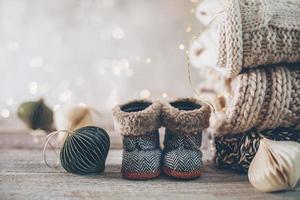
column 118, row 33
column 181, row 47
column 9, row 101
column 5, row 113
column 36, row 62
column 33, row 87
column 44, row 88
column 117, row 70
column 137, row 58
column 65, row 96
column 13, row 46
column 129, row 72
column 82, row 104
column 148, row 60
column 188, row 29
column 101, row 70
column 120, row 66
column 226, row 95
column 79, row 81
column 56, row 107
column 144, row 94
column 124, row 63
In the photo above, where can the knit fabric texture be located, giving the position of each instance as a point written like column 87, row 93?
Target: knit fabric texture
column 263, row 98
column 236, row 151
column 258, row 32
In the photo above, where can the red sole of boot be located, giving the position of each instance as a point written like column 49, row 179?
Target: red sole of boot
column 141, row 176
column 182, row 175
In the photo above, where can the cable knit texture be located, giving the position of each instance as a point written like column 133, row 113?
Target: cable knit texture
column 137, row 117
column 258, row 32
column 178, row 119
column 263, row 98
column 236, row 151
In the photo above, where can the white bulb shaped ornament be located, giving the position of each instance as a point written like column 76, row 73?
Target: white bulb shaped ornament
column 276, row 166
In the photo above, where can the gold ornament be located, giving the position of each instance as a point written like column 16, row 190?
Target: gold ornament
column 74, row 117
column 276, row 166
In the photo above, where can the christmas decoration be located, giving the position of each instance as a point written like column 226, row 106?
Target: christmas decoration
column 276, row 166
column 72, row 117
column 36, row 115
column 85, row 150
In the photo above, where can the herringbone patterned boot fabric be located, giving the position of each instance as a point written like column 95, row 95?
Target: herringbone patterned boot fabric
column 263, row 98
column 182, row 155
column 142, row 156
column 184, row 120
column 138, row 122
column 258, row 32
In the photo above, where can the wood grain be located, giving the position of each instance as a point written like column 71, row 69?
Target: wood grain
column 24, row 176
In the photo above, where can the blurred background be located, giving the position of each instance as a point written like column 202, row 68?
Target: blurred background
column 93, row 52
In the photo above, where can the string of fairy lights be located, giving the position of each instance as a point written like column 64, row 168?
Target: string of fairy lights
column 121, row 68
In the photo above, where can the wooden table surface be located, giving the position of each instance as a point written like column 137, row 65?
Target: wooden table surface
column 23, row 175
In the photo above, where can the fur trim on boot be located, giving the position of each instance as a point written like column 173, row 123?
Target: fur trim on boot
column 185, row 116
column 137, row 117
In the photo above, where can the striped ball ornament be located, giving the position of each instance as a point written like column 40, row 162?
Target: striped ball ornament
column 36, row 115
column 85, row 150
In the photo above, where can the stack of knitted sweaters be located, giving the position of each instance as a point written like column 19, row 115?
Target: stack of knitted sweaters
column 256, row 73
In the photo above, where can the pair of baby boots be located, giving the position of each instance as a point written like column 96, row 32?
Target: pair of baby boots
column 139, row 121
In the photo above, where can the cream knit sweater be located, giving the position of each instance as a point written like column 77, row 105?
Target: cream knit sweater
column 264, row 98
column 258, row 42
column 258, row 32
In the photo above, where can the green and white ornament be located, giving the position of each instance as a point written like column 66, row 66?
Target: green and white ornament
column 85, row 150
column 36, row 115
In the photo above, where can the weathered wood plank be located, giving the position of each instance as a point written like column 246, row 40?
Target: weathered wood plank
column 24, row 176
column 31, row 161
column 111, row 186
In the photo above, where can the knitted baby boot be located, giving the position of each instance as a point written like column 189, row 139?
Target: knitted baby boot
column 184, row 120
column 138, row 122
